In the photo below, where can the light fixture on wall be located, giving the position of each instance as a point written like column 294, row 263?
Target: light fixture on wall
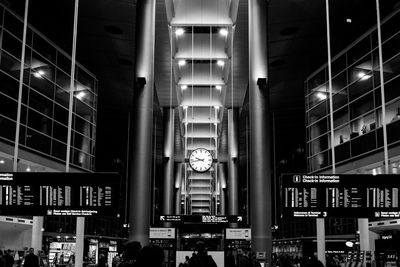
column 223, row 32
column 184, row 87
column 218, row 87
column 220, row 63
column 182, row 62
column 179, row 31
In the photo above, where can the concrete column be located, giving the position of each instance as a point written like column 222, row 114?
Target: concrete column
column 222, row 179
column 140, row 161
column 260, row 149
column 80, row 237
column 233, row 149
column 321, row 240
column 37, row 234
column 178, row 188
column 168, row 187
column 364, row 234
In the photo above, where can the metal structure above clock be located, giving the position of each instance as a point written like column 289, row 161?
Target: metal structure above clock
column 200, row 160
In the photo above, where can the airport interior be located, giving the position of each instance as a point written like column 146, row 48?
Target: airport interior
column 241, row 132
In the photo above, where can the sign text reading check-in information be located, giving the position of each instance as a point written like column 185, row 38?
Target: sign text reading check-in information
column 323, row 195
column 59, row 194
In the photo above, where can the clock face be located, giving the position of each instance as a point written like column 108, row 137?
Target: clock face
column 200, row 160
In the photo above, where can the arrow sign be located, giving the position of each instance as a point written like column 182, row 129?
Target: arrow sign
column 162, row 218
column 239, row 218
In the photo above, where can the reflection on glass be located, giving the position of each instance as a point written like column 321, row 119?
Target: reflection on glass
column 317, row 112
column 342, row 135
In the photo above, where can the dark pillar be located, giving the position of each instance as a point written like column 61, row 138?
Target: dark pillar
column 233, row 150
column 168, row 187
column 260, row 149
column 140, row 162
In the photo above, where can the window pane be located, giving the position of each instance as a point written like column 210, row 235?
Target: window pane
column 38, row 141
column 8, row 85
column 8, row 107
column 7, row 128
column 39, row 122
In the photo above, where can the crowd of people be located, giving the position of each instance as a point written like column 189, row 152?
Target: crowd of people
column 135, row 255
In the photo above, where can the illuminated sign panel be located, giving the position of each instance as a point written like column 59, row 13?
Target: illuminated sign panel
column 59, row 194
column 325, row 195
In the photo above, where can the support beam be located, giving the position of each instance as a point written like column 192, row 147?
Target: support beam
column 233, row 173
column 168, row 187
column 37, row 233
column 140, row 162
column 222, row 179
column 178, row 186
column 260, row 148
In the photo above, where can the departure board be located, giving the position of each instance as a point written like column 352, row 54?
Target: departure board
column 59, row 194
column 328, row 195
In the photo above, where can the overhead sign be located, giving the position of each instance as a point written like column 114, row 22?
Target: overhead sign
column 238, row 233
column 202, row 218
column 328, row 195
column 162, row 233
column 59, row 194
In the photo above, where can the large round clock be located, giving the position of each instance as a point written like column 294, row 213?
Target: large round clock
column 200, row 160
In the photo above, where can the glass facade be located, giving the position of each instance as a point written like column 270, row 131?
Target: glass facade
column 45, row 96
column 356, row 98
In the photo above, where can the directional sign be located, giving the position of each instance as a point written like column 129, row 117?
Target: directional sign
column 216, row 219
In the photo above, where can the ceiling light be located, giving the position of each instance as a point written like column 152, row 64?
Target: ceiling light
column 179, row 31
column 218, row 87
column 220, row 63
column 2, row 161
column 182, row 62
column 363, row 76
column 80, row 95
column 348, row 20
column 349, row 244
column 185, row 107
column 223, row 32
column 184, row 87
column 39, row 74
column 28, row 169
column 216, row 107
column 321, row 96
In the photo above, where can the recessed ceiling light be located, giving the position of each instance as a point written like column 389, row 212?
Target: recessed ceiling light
column 2, row 161
column 348, row 20
column 184, row 87
column 179, row 31
column 28, row 169
column 223, row 32
column 218, row 87
column 182, row 62
column 220, row 63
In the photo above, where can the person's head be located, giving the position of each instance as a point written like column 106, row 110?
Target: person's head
column 132, row 250
column 314, row 263
column 32, row 251
column 187, row 258
column 8, row 251
column 200, row 247
column 150, row 255
column 240, row 251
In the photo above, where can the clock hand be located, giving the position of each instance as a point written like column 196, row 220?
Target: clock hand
column 199, row 159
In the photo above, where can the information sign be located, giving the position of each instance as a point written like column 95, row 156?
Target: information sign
column 59, row 194
column 326, row 195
